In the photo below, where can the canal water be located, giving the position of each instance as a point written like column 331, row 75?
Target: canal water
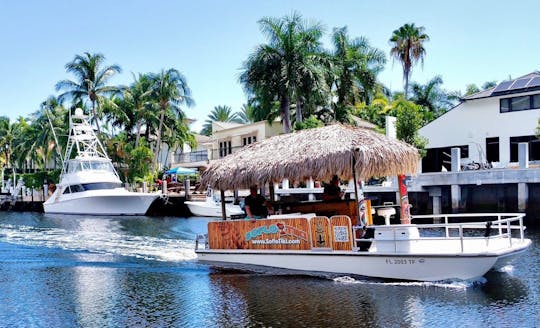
column 81, row 271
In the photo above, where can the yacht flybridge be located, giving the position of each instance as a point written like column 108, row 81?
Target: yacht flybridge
column 89, row 184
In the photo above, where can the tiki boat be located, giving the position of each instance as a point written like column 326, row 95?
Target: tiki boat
column 338, row 237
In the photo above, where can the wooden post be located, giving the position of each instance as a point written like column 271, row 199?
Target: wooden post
column 187, row 187
column 357, row 205
column 272, row 192
column 404, row 201
column 223, row 213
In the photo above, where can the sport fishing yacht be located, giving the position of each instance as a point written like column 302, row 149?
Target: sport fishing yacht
column 89, row 184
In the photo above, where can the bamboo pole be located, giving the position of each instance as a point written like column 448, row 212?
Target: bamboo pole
column 357, row 205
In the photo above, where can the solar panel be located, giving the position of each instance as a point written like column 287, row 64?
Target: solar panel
column 519, row 84
column 535, row 82
column 503, row 86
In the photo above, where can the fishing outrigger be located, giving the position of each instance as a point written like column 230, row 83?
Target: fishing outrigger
column 332, row 236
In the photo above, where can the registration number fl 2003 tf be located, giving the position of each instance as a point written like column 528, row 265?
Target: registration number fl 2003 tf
column 401, row 261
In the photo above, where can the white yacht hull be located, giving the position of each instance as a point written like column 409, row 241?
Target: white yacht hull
column 103, row 202
column 421, row 267
column 206, row 209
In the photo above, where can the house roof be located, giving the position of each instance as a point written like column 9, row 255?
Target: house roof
column 525, row 83
column 202, row 138
column 218, row 126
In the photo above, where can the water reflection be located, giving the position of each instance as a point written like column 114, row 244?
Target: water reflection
column 138, row 271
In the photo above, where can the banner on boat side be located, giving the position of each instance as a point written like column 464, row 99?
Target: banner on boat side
column 281, row 234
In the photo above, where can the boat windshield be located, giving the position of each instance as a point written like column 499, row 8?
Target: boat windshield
column 91, row 186
column 77, row 166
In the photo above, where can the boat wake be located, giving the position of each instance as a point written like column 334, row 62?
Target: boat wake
column 105, row 242
column 450, row 284
column 506, row 269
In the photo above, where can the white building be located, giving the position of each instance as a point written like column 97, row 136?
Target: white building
column 226, row 138
column 487, row 126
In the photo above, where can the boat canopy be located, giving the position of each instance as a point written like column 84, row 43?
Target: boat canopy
column 181, row 171
column 318, row 153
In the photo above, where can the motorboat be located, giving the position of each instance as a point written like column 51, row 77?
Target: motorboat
column 89, row 184
column 420, row 252
column 342, row 238
column 211, row 207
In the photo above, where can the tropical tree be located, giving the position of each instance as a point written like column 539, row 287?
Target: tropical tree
column 355, row 65
column 91, row 81
column 133, row 108
column 169, row 91
column 219, row 114
column 375, row 111
column 471, row 89
column 25, row 149
column 246, row 115
column 431, row 96
column 408, row 48
column 52, row 115
column 284, row 70
column 409, row 119
column 7, row 135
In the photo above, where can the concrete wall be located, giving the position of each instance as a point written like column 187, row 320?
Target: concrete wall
column 471, row 122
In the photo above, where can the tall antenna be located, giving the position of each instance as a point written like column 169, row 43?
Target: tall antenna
column 54, row 135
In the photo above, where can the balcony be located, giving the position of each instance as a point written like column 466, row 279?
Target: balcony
column 202, row 155
column 191, row 157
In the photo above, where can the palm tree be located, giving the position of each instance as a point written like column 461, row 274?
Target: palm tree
column 355, row 68
column 219, row 114
column 283, row 69
column 91, row 81
column 246, row 115
column 431, row 96
column 133, row 108
column 408, row 48
column 7, row 135
column 52, row 115
column 169, row 91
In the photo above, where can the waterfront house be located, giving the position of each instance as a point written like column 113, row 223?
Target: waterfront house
column 226, row 138
column 487, row 126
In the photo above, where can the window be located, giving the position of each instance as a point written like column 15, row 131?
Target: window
column 505, row 105
column 225, row 148
column 492, row 149
column 536, row 101
column 534, row 147
column 100, row 186
column 249, row 140
column 519, row 103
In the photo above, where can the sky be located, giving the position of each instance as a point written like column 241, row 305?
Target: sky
column 208, row 41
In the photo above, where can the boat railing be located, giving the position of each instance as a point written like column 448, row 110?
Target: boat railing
column 201, row 238
column 504, row 224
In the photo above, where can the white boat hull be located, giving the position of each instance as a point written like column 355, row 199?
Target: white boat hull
column 205, row 209
column 424, row 252
column 101, row 203
column 422, row 267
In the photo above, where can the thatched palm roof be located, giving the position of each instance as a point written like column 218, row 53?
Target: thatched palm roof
column 318, row 153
